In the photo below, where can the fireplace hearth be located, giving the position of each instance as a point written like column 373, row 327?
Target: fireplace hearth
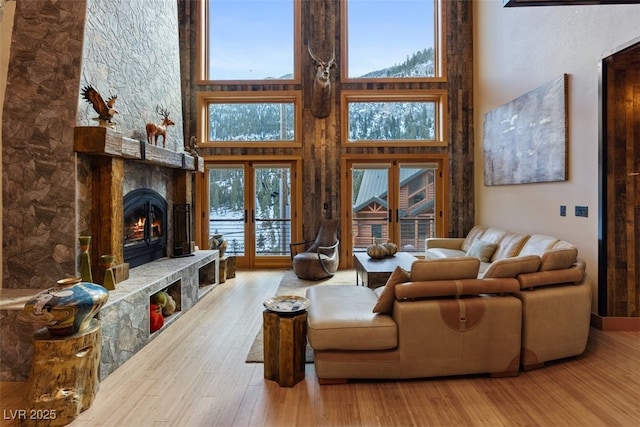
column 145, row 227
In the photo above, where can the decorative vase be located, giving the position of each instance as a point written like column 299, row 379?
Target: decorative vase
column 85, row 259
column 218, row 242
column 109, row 276
column 66, row 308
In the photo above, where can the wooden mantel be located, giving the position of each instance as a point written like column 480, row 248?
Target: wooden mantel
column 103, row 141
column 109, row 151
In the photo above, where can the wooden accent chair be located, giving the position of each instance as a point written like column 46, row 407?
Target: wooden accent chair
column 320, row 260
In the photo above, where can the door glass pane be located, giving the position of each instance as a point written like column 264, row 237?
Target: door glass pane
column 416, row 206
column 226, row 206
column 272, row 210
column 370, row 189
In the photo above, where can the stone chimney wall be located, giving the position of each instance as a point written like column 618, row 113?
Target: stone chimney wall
column 127, row 48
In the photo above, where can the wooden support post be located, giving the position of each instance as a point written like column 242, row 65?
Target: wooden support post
column 107, row 212
column 64, row 376
column 285, row 341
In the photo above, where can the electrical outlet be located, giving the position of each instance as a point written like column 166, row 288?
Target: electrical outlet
column 582, row 211
column 563, row 210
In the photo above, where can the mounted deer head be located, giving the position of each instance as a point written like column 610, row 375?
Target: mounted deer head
column 321, row 95
column 155, row 130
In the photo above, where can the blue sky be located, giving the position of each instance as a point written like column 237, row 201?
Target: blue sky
column 384, row 32
column 258, row 42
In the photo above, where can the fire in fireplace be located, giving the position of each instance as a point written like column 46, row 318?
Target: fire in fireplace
column 145, row 223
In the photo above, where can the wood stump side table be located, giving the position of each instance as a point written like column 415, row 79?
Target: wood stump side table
column 231, row 266
column 223, row 270
column 227, row 267
column 285, row 343
column 64, row 376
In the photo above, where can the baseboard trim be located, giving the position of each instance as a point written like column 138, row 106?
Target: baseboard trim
column 615, row 324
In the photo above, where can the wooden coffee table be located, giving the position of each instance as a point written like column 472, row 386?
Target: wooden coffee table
column 375, row 272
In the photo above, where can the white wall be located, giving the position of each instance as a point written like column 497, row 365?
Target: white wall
column 517, row 50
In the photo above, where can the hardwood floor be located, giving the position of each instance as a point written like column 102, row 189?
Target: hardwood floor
column 194, row 374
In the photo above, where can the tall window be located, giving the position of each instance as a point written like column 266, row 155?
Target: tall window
column 394, row 117
column 250, row 118
column 250, row 39
column 391, row 39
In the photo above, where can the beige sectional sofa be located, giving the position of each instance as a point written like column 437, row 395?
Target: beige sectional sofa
column 525, row 303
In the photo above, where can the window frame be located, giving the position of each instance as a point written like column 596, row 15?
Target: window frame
column 439, row 97
column 203, row 49
column 439, row 48
column 262, row 97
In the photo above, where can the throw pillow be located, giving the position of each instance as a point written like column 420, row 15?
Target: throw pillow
column 482, row 250
column 388, row 295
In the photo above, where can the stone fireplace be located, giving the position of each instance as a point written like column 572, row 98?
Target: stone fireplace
column 64, row 177
column 111, row 169
column 134, row 186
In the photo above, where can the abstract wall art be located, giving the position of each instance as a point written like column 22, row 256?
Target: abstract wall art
column 525, row 140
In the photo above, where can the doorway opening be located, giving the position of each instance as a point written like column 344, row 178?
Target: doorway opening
column 619, row 182
column 401, row 200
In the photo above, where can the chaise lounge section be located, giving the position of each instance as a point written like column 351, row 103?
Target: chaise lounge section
column 439, row 319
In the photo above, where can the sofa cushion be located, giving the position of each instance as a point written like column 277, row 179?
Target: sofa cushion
column 575, row 274
column 493, row 235
column 510, row 245
column 443, row 242
column 511, row 267
column 475, row 233
column 537, row 244
column 557, row 259
column 445, row 269
column 436, row 253
column 482, row 250
column 341, row 318
column 387, row 296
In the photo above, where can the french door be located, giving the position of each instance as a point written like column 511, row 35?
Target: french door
column 250, row 204
column 398, row 200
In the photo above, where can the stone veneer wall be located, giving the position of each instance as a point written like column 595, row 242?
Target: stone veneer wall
column 38, row 162
column 131, row 50
column 58, row 47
